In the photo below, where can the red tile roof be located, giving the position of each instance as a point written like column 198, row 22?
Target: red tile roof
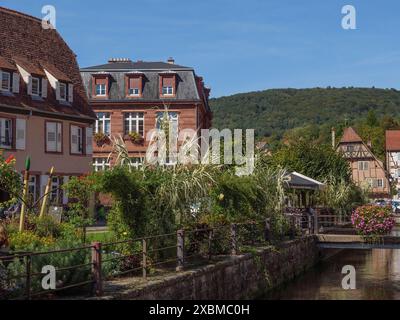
column 24, row 40
column 393, row 140
column 350, row 135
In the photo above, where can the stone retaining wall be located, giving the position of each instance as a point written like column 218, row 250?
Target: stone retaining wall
column 245, row 276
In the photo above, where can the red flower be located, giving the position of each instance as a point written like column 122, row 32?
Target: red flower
column 10, row 158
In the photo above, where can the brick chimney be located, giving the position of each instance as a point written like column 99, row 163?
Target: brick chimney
column 171, row 60
column 116, row 60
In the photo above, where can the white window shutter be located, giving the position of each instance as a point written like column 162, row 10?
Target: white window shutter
column 43, row 183
column 71, row 92
column 51, row 136
column 89, row 140
column 44, row 88
column 58, row 91
column 74, row 139
column 59, row 137
column 20, row 141
column 16, row 80
column 30, row 85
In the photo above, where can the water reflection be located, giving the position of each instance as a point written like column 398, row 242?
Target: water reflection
column 378, row 277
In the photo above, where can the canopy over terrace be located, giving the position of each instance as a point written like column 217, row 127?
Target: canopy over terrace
column 303, row 189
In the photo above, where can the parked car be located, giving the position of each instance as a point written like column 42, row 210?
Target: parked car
column 396, row 206
column 381, row 202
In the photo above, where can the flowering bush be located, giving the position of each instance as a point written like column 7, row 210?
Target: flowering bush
column 373, row 220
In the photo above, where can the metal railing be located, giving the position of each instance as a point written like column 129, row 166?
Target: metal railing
column 141, row 257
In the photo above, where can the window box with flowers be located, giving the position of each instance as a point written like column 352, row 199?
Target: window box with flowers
column 136, row 138
column 101, row 139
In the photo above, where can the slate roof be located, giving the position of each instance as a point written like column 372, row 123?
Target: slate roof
column 186, row 82
column 392, row 140
column 24, row 41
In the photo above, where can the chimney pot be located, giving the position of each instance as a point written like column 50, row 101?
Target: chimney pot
column 171, row 60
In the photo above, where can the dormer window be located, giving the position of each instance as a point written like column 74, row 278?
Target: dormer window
column 167, row 85
column 134, row 85
column 35, row 86
column 5, row 84
column 63, row 91
column 100, row 86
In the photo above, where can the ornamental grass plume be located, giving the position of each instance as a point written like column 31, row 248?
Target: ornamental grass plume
column 373, row 220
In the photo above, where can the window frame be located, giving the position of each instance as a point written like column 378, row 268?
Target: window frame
column 64, row 85
column 38, row 86
column 101, row 122
column 9, row 81
column 101, row 94
column 364, row 165
column 104, row 164
column 11, row 133
column 127, row 116
column 82, row 145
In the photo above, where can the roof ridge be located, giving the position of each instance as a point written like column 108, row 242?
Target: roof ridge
column 21, row 14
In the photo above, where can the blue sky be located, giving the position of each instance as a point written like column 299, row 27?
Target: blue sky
column 239, row 46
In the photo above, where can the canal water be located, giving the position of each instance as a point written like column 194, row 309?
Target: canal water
column 377, row 277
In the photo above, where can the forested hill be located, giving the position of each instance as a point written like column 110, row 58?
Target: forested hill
column 272, row 112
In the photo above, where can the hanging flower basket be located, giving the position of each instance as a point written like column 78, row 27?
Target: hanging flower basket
column 101, row 139
column 136, row 138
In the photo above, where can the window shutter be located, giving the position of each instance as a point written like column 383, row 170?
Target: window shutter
column 70, row 92
column 30, row 85
column 51, row 136
column 59, row 137
column 89, row 140
column 58, row 90
column 43, row 183
column 20, row 134
column 15, row 84
column 44, row 88
column 74, row 139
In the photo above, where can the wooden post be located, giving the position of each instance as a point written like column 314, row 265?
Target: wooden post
column 25, row 194
column 316, row 227
column 210, row 238
column 96, row 268
column 144, row 262
column 180, row 250
column 46, row 193
column 234, row 244
column 28, row 276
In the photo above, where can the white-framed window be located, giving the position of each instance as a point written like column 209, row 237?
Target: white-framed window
column 5, row 84
column 380, row 183
column 100, row 164
column 63, row 91
column 32, row 188
column 103, row 123
column 55, row 193
column 134, row 91
column 101, row 89
column 167, row 90
column 6, row 133
column 134, row 122
column 76, row 140
column 363, row 165
column 173, row 118
column 136, row 162
column 53, row 136
column 35, row 86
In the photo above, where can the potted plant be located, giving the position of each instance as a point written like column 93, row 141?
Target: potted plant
column 136, row 138
column 101, row 139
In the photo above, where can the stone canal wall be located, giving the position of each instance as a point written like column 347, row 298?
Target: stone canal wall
column 245, row 276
